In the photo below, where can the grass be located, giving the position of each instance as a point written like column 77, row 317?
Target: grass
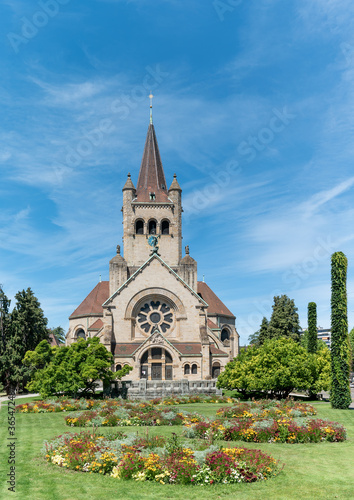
column 312, row 471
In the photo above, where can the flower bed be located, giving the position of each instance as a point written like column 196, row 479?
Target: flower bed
column 265, row 408
column 129, row 415
column 176, row 464
column 281, row 430
column 62, row 404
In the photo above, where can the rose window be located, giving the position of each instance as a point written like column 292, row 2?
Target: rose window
column 155, row 315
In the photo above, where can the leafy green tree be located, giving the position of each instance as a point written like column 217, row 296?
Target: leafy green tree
column 320, row 367
column 275, row 369
column 27, row 326
column 312, row 327
column 123, row 372
column 304, row 339
column 284, row 321
column 40, row 357
column 340, row 352
column 71, row 370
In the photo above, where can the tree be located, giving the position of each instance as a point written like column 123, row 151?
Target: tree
column 4, row 335
column 284, row 321
column 259, row 337
column 70, row 370
column 351, row 345
column 59, row 334
column 275, row 369
column 26, row 327
column 340, row 352
column 312, row 327
column 263, row 331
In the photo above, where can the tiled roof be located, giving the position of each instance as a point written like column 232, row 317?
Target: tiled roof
column 125, row 349
column 151, row 176
column 188, row 348
column 92, row 305
column 217, row 352
column 52, row 340
column 215, row 304
column 98, row 324
column 212, row 325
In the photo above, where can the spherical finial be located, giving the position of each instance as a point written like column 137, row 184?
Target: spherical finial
column 175, row 176
column 129, row 176
column 118, row 249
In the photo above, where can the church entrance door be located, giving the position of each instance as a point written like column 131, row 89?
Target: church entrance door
column 156, row 371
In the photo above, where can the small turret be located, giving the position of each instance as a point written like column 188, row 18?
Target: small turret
column 118, row 272
column 188, row 269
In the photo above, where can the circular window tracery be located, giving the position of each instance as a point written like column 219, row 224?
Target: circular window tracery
column 155, row 315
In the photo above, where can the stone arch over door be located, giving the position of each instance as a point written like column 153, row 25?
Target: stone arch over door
column 156, row 363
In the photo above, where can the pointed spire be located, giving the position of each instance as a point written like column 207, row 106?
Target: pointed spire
column 175, row 186
column 151, row 182
column 129, row 184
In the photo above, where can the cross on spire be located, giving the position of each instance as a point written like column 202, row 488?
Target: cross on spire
column 151, row 98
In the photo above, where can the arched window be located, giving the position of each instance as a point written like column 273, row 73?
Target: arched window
column 215, row 370
column 165, row 227
column 80, row 334
column 225, row 334
column 186, row 369
column 194, row 369
column 152, row 227
column 139, row 227
column 118, row 367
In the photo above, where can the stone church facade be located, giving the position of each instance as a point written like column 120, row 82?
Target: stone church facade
column 153, row 314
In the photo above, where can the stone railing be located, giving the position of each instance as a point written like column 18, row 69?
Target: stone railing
column 148, row 389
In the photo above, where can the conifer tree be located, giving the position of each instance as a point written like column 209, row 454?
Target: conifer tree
column 263, row 331
column 312, row 327
column 27, row 327
column 4, row 332
column 340, row 353
column 284, row 321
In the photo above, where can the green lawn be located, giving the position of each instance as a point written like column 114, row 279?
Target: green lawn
column 318, row 471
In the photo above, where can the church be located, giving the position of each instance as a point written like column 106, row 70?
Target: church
column 153, row 314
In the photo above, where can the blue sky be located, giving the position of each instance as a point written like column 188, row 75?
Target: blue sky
column 253, row 110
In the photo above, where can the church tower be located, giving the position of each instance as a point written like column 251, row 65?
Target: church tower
column 153, row 314
column 151, row 209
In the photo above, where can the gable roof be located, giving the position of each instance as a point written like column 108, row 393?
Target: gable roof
column 141, row 268
column 92, row 305
column 216, row 306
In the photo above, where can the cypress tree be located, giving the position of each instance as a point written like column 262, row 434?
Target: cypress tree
column 340, row 352
column 312, row 327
